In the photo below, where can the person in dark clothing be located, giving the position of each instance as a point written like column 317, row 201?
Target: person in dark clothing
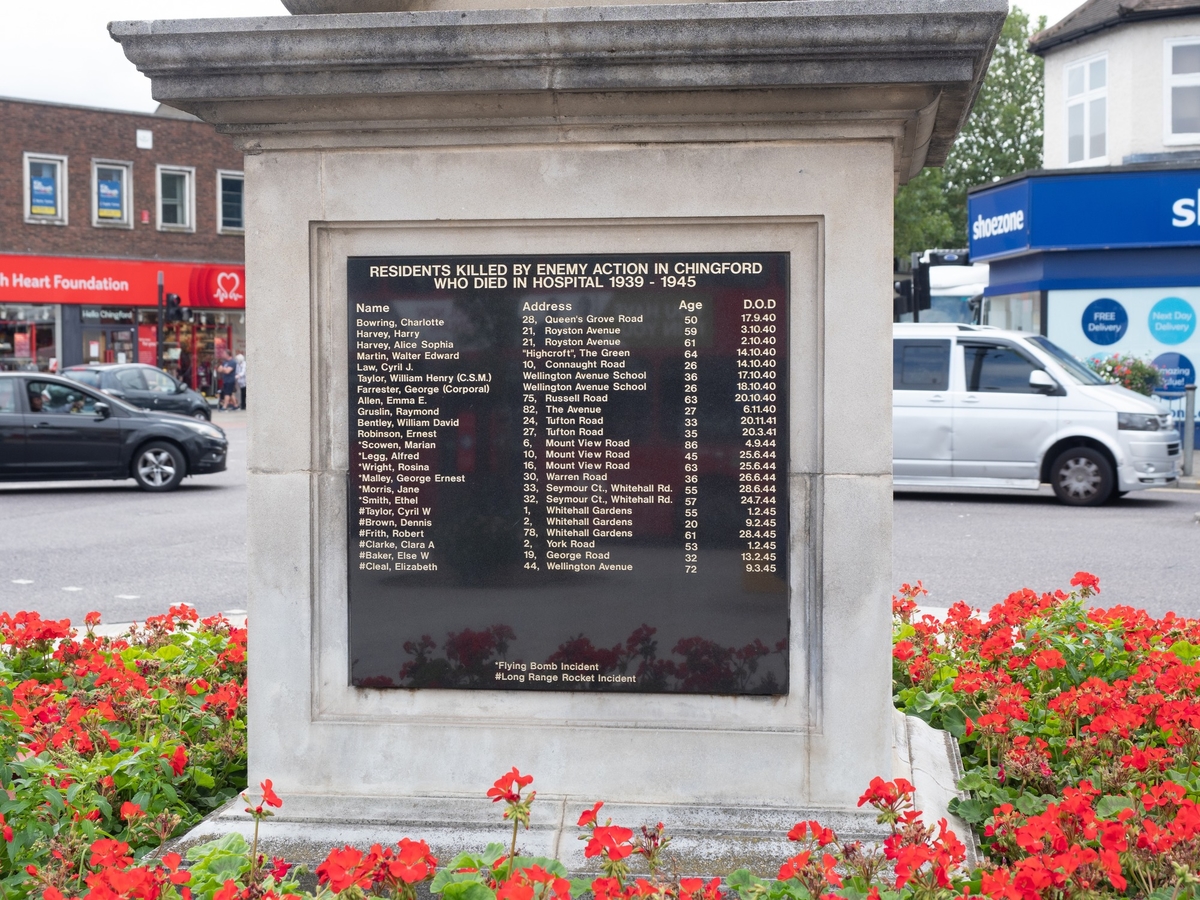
column 227, row 379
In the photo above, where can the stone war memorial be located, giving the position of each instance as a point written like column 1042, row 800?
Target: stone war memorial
column 573, row 326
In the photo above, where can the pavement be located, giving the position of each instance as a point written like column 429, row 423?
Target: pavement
column 70, row 547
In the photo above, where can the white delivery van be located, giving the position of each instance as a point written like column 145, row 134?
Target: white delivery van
column 977, row 407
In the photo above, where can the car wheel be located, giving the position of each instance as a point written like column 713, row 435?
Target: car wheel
column 159, row 466
column 1082, row 476
column 202, row 415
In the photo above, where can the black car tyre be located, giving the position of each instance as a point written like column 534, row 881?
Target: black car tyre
column 1082, row 476
column 202, row 415
column 159, row 466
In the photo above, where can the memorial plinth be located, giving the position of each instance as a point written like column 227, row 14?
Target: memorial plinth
column 573, row 333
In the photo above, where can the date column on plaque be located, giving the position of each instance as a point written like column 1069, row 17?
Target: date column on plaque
column 545, row 453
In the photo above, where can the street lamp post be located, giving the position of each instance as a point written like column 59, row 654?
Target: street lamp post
column 1189, row 427
column 158, row 357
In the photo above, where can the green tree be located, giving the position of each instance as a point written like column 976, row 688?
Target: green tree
column 1002, row 136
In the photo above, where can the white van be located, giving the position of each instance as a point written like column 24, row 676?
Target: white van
column 977, row 407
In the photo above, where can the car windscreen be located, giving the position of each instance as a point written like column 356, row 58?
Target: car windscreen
column 1075, row 367
column 90, row 377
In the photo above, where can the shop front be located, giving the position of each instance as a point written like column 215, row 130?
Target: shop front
column 1102, row 262
column 63, row 311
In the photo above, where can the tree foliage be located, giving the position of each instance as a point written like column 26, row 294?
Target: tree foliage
column 1002, row 136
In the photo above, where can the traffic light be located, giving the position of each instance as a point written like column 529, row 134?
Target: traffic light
column 174, row 308
column 920, row 273
column 902, row 298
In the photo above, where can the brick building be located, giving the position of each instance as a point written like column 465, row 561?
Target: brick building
column 94, row 205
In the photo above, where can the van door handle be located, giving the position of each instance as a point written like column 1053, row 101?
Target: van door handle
column 970, row 398
column 936, row 398
column 42, row 425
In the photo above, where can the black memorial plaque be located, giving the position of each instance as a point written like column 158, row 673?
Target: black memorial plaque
column 569, row 472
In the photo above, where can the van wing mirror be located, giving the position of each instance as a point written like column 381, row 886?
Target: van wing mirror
column 103, row 410
column 1041, row 382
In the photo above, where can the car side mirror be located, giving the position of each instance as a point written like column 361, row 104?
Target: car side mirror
column 181, row 388
column 103, row 410
column 1041, row 382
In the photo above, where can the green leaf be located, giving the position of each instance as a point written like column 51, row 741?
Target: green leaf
column 974, row 781
column 203, row 779
column 1030, row 804
column 169, row 652
column 449, row 876
column 493, row 852
column 1110, row 804
column 1189, row 653
column 468, row 890
column 954, row 720
column 973, row 811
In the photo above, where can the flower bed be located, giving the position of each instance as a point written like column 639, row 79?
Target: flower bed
column 107, row 742
column 1080, row 731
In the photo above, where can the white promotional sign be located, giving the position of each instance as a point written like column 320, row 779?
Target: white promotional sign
column 1158, row 325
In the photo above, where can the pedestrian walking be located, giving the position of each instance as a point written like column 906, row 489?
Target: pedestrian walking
column 240, row 373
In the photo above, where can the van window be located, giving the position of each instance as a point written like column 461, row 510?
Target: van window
column 993, row 369
column 920, row 365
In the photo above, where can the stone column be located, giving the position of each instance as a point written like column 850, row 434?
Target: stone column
column 772, row 126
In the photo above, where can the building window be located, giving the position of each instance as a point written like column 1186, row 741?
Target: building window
column 1183, row 91
column 229, row 202
column 1087, row 111
column 45, row 189
column 176, row 198
column 112, row 193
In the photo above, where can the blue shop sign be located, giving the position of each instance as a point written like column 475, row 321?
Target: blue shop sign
column 1177, row 373
column 1086, row 211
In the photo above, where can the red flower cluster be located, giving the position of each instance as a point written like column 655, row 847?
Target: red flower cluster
column 114, row 876
column 91, row 723
column 396, row 870
column 508, row 787
column 1098, row 708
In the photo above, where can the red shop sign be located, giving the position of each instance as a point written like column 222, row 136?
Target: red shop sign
column 118, row 282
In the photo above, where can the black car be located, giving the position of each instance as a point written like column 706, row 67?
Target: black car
column 143, row 386
column 55, row 429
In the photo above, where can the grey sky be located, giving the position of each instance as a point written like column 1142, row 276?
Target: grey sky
column 59, row 50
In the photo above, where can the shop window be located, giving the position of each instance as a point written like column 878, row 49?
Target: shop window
column 45, row 189
column 112, row 193
column 176, row 198
column 230, row 219
column 1182, row 114
column 1087, row 111
column 27, row 337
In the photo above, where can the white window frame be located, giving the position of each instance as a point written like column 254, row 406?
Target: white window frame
column 126, row 220
column 61, row 183
column 1086, row 99
column 222, row 228
column 1169, row 81
column 189, row 173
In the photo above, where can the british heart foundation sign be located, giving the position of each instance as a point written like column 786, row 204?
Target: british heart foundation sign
column 118, row 282
column 219, row 286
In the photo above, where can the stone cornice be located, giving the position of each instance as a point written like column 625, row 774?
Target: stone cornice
column 914, row 64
